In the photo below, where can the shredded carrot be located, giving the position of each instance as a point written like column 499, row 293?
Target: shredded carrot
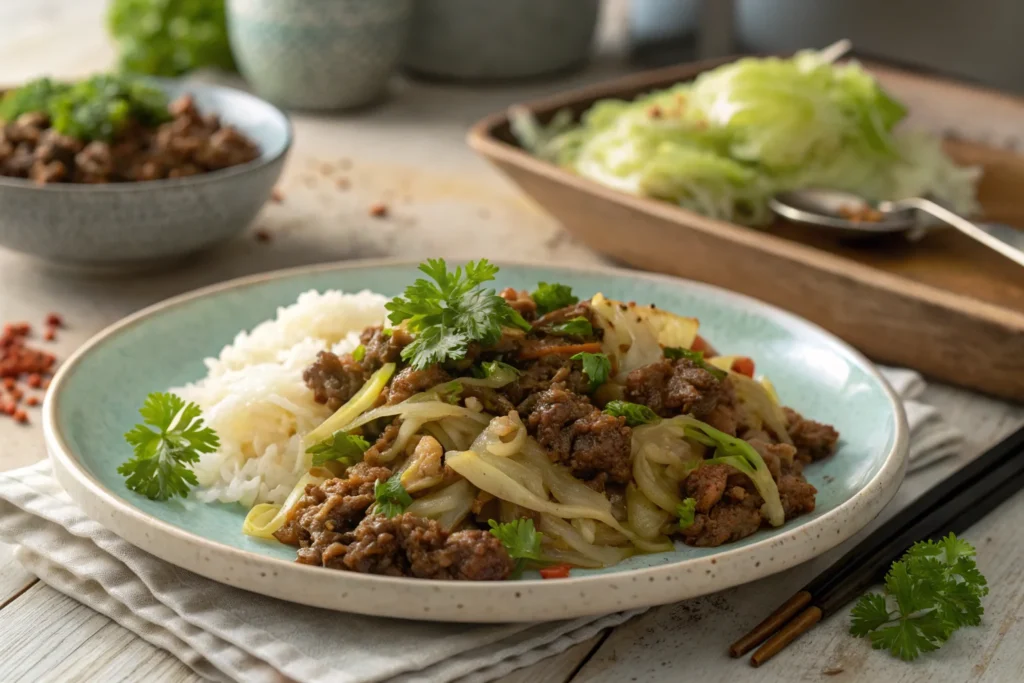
column 540, row 350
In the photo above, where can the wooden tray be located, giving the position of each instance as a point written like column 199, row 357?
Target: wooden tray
column 946, row 306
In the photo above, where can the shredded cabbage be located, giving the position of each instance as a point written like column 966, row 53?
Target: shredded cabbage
column 725, row 143
column 264, row 519
column 356, row 406
column 634, row 335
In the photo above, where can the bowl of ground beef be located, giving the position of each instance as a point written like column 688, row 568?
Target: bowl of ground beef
column 114, row 174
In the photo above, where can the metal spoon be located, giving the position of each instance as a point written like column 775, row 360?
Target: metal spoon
column 833, row 209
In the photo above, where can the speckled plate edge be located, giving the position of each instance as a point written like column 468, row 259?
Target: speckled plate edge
column 528, row 600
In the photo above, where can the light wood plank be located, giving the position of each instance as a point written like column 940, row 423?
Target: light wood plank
column 14, row 580
column 47, row 636
column 557, row 669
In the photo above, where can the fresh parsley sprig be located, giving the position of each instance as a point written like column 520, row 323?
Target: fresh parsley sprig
column 345, row 448
column 521, row 540
column 596, row 366
column 446, row 315
column 932, row 591
column 160, row 468
column 636, row 414
column 551, row 297
column 391, row 497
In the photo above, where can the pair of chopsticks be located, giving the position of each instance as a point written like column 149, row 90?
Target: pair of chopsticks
column 953, row 505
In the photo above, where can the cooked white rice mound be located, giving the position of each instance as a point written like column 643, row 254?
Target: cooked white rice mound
column 255, row 399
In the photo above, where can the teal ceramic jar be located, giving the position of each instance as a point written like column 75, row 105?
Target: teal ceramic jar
column 318, row 54
column 482, row 41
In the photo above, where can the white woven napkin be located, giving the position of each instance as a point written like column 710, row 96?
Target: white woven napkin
column 226, row 634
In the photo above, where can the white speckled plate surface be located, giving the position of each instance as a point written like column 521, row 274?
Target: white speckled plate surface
column 95, row 397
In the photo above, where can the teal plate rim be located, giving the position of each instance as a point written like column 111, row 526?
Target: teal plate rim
column 484, row 602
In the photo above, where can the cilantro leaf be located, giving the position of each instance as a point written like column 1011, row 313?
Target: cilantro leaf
column 574, row 327
column 870, row 613
column 697, row 357
column 392, row 498
column 596, row 367
column 160, row 467
column 551, row 297
column 933, row 590
column 686, row 512
column 635, row 413
column 521, row 540
column 345, row 448
column 451, row 312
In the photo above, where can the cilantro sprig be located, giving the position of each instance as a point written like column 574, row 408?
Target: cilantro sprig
column 596, row 366
column 521, row 540
column 446, row 315
column 345, row 448
column 551, row 297
column 932, row 591
column 636, row 414
column 165, row 450
column 697, row 357
column 391, row 497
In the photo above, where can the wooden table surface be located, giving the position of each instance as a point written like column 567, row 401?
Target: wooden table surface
column 409, row 154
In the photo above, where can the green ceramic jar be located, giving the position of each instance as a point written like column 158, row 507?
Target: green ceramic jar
column 318, row 54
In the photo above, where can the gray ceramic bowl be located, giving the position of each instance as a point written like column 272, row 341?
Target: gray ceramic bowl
column 121, row 226
column 318, row 54
column 484, row 41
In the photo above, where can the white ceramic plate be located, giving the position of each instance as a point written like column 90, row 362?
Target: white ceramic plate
column 96, row 395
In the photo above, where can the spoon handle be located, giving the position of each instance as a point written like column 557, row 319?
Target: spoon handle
column 999, row 238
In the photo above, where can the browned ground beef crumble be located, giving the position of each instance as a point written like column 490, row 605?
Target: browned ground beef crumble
column 189, row 144
column 553, row 397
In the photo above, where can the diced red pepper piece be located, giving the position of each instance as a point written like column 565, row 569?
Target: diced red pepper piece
column 744, row 366
column 557, row 571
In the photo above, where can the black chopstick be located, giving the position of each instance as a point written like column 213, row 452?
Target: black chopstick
column 931, row 500
column 969, row 493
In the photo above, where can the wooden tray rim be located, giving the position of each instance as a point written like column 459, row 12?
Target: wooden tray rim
column 482, row 138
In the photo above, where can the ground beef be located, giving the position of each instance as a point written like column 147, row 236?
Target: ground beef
column 706, row 485
column 328, row 510
column 537, row 376
column 726, row 416
column 729, row 520
column 813, row 440
column 521, row 302
column 410, row 381
column 408, row 545
column 334, row 379
column 673, row 387
column 797, row 495
column 383, row 348
column 188, row 144
column 561, row 315
column 383, row 442
column 492, row 401
column 578, row 435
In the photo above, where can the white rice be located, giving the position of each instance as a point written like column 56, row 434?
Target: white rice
column 255, row 399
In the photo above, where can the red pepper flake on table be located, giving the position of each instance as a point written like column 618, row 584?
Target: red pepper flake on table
column 23, row 367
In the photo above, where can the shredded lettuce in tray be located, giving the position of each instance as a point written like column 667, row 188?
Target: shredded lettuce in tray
column 723, row 144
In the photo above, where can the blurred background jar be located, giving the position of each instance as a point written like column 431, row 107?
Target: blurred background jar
column 976, row 41
column 505, row 39
column 318, row 54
